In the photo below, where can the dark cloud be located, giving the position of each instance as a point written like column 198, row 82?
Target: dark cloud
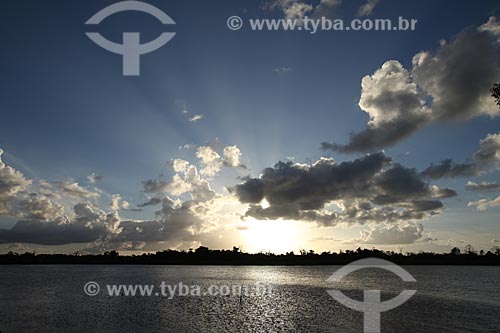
column 393, row 234
column 486, row 158
column 50, row 233
column 449, row 85
column 154, row 186
column 370, row 189
column 449, row 169
column 150, row 202
column 88, row 225
column 377, row 137
column 93, row 225
column 173, row 223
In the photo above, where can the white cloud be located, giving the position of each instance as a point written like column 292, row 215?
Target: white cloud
column 115, row 202
column 74, row 190
column 196, row 118
column 210, row 160
column 12, row 182
column 93, row 178
column 492, row 26
column 232, row 156
column 367, row 8
column 483, row 186
column 484, row 204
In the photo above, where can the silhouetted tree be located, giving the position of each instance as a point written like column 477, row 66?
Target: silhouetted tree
column 455, row 251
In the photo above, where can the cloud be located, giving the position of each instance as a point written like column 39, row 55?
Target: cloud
column 385, row 234
column 150, row 202
column 396, row 108
column 12, row 182
column 210, row 160
column 93, row 178
column 292, row 9
column 39, row 207
column 297, row 10
column 484, row 204
column 449, row 169
column 488, row 154
column 483, row 186
column 367, row 8
column 195, row 118
column 231, row 156
column 368, row 189
column 451, row 84
column 91, row 225
column 88, row 225
column 174, row 222
column 326, row 8
column 485, row 159
column 75, row 191
column 282, row 70
column 154, row 186
column 115, row 202
column 492, row 26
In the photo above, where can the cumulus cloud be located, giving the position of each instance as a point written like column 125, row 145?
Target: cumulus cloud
column 384, row 234
column 368, row 189
column 488, row 154
column 292, row 9
column 297, row 9
column 174, row 222
column 482, row 186
column 367, row 8
column 115, row 202
column 39, row 207
column 210, row 160
column 451, row 84
column 231, row 156
column 44, row 221
column 12, row 182
column 88, row 225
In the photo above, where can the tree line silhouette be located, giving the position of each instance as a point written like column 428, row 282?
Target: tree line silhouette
column 205, row 256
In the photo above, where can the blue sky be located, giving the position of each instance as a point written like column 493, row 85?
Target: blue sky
column 67, row 111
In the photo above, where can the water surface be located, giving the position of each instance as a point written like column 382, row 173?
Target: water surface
column 51, row 298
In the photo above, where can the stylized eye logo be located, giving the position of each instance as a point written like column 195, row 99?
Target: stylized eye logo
column 372, row 305
column 131, row 49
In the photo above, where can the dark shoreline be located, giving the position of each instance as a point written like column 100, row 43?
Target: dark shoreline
column 204, row 256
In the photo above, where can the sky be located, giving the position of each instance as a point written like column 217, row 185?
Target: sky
column 266, row 140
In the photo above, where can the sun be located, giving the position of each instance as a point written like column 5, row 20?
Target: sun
column 277, row 236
